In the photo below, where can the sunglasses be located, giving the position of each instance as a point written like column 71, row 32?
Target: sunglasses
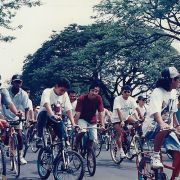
column 17, row 81
column 126, row 91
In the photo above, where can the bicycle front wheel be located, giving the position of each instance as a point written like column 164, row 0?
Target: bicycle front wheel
column 115, row 153
column 44, row 163
column 91, row 162
column 69, row 166
column 15, row 155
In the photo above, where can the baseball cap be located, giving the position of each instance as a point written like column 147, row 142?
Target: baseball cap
column 16, row 77
column 170, row 72
column 126, row 88
column 141, row 98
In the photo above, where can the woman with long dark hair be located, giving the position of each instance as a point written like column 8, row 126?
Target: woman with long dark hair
column 162, row 110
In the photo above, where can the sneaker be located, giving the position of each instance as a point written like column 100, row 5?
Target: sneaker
column 156, row 161
column 23, row 161
column 39, row 143
column 122, row 154
column 133, row 151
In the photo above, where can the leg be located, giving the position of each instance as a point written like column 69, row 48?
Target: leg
column 175, row 164
column 93, row 135
column 41, row 123
column 20, row 138
column 159, row 140
column 82, row 124
column 119, row 134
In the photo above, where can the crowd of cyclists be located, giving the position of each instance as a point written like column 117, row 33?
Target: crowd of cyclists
column 152, row 120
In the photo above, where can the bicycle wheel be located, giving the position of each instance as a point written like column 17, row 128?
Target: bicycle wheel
column 107, row 143
column 137, row 148
column 32, row 142
column 98, row 145
column 68, row 167
column 3, row 162
column 145, row 171
column 44, row 163
column 91, row 162
column 114, row 151
column 15, row 155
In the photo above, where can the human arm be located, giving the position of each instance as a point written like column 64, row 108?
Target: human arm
column 70, row 116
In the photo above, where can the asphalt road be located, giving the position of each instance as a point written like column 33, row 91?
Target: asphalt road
column 106, row 169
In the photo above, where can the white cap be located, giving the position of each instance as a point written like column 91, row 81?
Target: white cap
column 173, row 72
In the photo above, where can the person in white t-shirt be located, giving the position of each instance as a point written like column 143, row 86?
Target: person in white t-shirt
column 123, row 111
column 141, row 101
column 54, row 101
column 73, row 99
column 162, row 111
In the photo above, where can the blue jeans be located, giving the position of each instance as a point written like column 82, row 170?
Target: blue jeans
column 43, row 120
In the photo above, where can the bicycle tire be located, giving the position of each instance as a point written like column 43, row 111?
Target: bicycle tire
column 91, row 161
column 114, row 152
column 98, row 145
column 32, row 142
column 138, row 147
column 16, row 156
column 3, row 162
column 60, row 170
column 107, row 143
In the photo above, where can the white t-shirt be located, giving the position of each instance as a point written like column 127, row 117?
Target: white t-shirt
column 30, row 105
column 49, row 96
column 74, row 107
column 143, row 110
column 127, row 107
column 163, row 102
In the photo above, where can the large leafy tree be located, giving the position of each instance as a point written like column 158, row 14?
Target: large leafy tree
column 8, row 9
column 162, row 14
column 106, row 52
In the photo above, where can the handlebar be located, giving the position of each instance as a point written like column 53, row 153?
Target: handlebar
column 15, row 122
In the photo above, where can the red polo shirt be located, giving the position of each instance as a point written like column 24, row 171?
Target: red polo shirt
column 88, row 107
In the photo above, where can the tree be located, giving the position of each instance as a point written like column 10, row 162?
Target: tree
column 8, row 10
column 162, row 14
column 106, row 52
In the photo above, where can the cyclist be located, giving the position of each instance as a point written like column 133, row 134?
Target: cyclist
column 141, row 105
column 54, row 101
column 31, row 117
column 20, row 100
column 5, row 100
column 161, row 110
column 73, row 99
column 124, row 111
column 87, row 105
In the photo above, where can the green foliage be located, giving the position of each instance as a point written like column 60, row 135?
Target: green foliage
column 163, row 14
column 108, row 52
column 8, row 10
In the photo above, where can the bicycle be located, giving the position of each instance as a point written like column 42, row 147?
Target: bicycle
column 145, row 171
column 65, row 163
column 29, row 139
column 131, row 142
column 104, row 138
column 87, row 152
column 13, row 150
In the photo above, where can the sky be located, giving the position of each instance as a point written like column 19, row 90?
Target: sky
column 38, row 24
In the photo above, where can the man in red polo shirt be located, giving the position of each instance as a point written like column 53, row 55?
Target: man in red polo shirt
column 87, row 106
